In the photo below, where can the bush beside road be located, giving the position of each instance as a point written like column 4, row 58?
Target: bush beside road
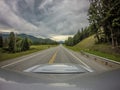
column 34, row 48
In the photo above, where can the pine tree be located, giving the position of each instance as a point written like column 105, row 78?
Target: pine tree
column 12, row 42
column 106, row 14
column 1, row 41
column 25, row 44
column 76, row 38
column 5, row 43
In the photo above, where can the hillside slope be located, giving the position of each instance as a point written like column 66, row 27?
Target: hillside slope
column 104, row 50
column 86, row 43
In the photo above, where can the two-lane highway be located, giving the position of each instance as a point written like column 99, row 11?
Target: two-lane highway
column 57, row 54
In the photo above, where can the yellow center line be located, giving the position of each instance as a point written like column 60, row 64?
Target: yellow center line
column 51, row 61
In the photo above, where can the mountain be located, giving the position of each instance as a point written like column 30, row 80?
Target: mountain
column 35, row 40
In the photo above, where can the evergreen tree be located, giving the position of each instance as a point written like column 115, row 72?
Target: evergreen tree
column 106, row 14
column 1, row 41
column 5, row 42
column 18, row 44
column 12, row 42
column 25, row 45
column 76, row 37
column 69, row 42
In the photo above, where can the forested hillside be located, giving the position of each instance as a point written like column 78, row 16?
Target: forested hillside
column 104, row 19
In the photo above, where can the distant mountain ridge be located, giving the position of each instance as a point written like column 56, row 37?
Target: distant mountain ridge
column 35, row 40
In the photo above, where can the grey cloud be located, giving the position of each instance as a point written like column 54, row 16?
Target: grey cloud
column 44, row 17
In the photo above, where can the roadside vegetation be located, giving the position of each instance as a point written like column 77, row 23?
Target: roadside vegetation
column 13, row 43
column 15, row 46
column 103, row 50
column 34, row 48
column 104, row 17
column 102, row 36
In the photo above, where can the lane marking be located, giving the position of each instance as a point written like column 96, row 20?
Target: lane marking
column 52, row 60
column 31, row 69
column 86, row 66
column 24, row 59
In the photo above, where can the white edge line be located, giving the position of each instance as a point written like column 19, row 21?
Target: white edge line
column 86, row 66
column 24, row 59
column 31, row 69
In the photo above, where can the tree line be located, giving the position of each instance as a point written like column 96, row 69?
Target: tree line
column 80, row 35
column 15, row 44
column 104, row 19
column 104, row 16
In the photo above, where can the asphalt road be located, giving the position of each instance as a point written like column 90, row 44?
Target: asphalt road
column 58, row 54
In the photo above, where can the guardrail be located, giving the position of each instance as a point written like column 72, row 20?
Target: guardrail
column 101, row 60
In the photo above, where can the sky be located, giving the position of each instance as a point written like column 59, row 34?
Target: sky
column 55, row 19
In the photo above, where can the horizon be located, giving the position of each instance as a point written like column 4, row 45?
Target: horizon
column 58, row 38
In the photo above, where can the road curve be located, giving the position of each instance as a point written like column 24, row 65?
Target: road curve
column 58, row 54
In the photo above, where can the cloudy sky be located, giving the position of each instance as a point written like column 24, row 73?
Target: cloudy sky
column 56, row 19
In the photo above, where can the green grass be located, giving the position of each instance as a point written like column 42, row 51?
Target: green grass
column 34, row 48
column 103, row 50
column 105, row 55
column 86, row 43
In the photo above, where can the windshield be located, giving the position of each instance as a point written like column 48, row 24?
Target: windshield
column 59, row 36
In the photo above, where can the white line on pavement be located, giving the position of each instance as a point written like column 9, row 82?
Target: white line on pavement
column 24, row 59
column 86, row 66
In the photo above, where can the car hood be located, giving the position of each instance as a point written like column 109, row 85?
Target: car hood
column 58, row 69
column 14, row 80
